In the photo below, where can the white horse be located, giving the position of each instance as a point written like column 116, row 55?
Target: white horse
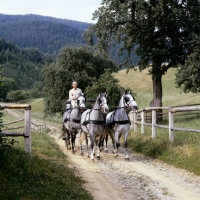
column 71, row 122
column 93, row 123
column 119, row 122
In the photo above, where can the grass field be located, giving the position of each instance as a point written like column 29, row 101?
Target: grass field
column 141, row 84
column 44, row 175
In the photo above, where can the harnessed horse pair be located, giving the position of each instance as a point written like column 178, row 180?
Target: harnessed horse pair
column 94, row 124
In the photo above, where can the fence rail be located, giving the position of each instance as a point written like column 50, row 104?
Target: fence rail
column 139, row 117
column 27, row 124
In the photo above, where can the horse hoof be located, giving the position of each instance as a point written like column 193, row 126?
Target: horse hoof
column 98, row 157
column 92, row 159
column 106, row 151
column 115, row 155
column 126, row 159
column 81, row 153
column 73, row 152
column 88, row 156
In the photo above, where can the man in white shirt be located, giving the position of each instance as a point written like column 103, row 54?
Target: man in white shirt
column 74, row 93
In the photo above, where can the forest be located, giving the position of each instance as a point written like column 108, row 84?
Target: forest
column 48, row 34
column 21, row 70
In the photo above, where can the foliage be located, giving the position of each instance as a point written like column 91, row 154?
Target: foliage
column 44, row 175
column 1, row 83
column 188, row 75
column 18, row 95
column 157, row 31
column 80, row 64
column 106, row 83
column 21, row 68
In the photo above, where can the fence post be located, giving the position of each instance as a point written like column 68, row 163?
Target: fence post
column 135, row 119
column 153, row 123
column 142, row 121
column 27, row 131
column 132, row 119
column 171, row 126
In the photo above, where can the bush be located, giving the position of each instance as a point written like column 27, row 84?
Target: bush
column 18, row 95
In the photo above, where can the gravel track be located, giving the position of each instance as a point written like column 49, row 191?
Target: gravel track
column 141, row 178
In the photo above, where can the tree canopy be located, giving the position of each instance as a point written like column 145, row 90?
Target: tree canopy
column 21, row 68
column 107, row 83
column 157, row 31
column 79, row 64
column 188, row 75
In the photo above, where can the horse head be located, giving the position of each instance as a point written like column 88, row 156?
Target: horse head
column 129, row 101
column 103, row 102
column 81, row 102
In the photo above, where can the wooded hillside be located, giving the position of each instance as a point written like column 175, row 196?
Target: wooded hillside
column 21, row 67
column 48, row 34
column 48, row 37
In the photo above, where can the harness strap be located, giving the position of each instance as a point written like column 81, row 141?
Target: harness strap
column 122, row 122
column 93, row 122
column 74, row 120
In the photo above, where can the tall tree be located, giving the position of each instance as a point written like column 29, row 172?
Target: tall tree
column 79, row 64
column 107, row 83
column 1, row 84
column 188, row 75
column 158, row 29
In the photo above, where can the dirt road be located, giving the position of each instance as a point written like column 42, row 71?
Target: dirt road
column 140, row 178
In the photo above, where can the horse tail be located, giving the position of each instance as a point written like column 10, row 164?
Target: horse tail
column 64, row 131
column 83, row 136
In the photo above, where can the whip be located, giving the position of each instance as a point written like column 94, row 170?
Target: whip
column 94, row 87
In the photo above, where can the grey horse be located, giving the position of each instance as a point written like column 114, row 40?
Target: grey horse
column 118, row 121
column 93, row 123
column 71, row 122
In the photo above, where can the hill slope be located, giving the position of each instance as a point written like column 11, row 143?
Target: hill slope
column 21, row 67
column 28, row 17
column 141, row 84
column 47, row 36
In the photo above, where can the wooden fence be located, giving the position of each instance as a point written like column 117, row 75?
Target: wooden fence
column 27, row 124
column 139, row 117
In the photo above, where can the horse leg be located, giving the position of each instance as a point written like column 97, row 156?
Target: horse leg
column 98, row 144
column 106, row 139
column 73, row 141
column 125, row 146
column 117, row 144
column 81, row 139
column 101, row 143
column 86, row 141
column 92, row 147
column 113, row 139
column 67, row 139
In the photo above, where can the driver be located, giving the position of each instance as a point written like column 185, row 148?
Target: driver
column 74, row 93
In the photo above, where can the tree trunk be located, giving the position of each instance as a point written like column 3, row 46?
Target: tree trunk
column 157, row 94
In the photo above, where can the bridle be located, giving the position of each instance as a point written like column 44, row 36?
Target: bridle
column 127, row 103
column 80, row 103
column 101, row 104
